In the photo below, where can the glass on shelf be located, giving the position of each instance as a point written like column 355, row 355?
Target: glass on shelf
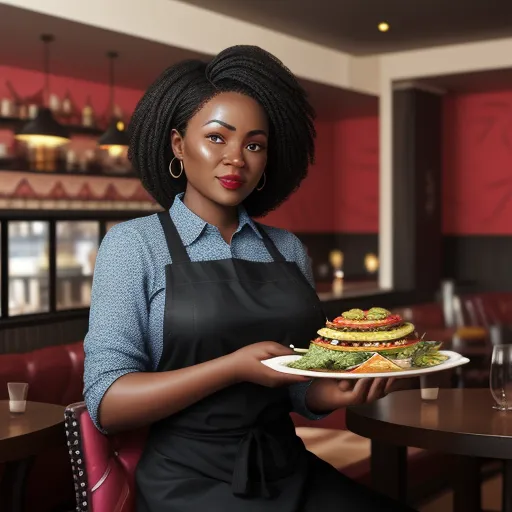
column 28, row 267
column 77, row 247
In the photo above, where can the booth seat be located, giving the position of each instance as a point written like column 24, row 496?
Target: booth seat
column 485, row 309
column 54, row 375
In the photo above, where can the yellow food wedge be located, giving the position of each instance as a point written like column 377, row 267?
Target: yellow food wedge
column 377, row 364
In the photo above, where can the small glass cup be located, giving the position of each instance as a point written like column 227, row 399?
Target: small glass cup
column 501, row 377
column 17, row 396
column 429, row 384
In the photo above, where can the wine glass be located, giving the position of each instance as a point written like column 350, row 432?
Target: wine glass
column 501, row 377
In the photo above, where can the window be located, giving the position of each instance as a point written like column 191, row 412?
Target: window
column 28, row 280
column 76, row 249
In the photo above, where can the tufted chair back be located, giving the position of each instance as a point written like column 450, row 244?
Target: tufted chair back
column 103, row 466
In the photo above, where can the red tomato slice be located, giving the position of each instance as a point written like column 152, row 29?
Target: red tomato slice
column 367, row 324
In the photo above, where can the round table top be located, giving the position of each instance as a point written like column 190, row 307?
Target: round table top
column 38, row 428
column 460, row 421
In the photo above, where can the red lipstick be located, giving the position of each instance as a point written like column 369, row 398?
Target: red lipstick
column 231, row 181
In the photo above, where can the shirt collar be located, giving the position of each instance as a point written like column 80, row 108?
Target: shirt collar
column 190, row 227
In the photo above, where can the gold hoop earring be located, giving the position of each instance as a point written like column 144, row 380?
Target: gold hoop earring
column 181, row 169
column 264, row 181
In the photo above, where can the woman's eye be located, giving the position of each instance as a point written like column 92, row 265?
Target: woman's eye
column 254, row 147
column 216, row 139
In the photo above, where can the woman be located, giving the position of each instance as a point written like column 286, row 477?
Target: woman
column 184, row 302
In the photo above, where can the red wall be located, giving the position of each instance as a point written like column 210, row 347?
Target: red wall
column 340, row 193
column 477, row 167
column 27, row 83
column 312, row 208
column 357, row 180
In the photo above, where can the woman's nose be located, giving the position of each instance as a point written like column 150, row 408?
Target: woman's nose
column 235, row 158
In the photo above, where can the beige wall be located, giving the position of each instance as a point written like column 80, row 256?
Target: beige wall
column 450, row 59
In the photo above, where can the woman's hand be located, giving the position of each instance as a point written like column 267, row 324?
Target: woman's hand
column 326, row 395
column 246, row 365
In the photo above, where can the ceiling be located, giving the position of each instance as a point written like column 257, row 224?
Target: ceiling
column 351, row 25
column 77, row 43
column 80, row 50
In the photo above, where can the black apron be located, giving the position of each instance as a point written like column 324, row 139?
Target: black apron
column 236, row 450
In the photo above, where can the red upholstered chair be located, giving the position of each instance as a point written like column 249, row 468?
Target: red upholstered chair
column 103, row 466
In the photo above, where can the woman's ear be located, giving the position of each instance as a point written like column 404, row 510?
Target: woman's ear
column 177, row 144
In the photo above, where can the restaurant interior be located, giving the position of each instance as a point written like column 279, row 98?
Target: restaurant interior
column 402, row 210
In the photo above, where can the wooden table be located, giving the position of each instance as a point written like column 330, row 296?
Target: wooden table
column 22, row 437
column 460, row 422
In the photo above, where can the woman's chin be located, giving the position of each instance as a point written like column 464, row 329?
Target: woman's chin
column 230, row 197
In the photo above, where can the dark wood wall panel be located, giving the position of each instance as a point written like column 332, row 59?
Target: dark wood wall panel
column 479, row 262
column 417, row 166
column 24, row 338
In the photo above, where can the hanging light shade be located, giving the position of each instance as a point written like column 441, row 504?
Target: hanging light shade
column 44, row 130
column 115, row 138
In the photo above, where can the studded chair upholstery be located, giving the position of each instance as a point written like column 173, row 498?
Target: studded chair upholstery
column 103, row 466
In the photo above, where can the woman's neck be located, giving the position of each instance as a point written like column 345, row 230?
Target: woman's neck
column 225, row 218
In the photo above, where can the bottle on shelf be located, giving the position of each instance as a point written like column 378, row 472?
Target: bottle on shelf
column 7, row 108
column 67, row 109
column 88, row 114
column 33, row 109
column 54, row 104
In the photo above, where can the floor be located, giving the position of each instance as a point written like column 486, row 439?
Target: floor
column 342, row 448
column 491, row 498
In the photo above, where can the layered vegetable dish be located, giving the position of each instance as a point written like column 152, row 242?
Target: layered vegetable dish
column 369, row 342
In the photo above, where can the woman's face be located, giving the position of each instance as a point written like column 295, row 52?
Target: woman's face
column 224, row 151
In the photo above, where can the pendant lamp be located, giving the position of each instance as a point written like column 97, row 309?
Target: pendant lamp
column 115, row 139
column 44, row 130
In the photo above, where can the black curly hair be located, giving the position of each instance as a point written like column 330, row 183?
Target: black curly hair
column 184, row 88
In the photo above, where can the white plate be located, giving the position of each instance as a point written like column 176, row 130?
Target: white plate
column 279, row 364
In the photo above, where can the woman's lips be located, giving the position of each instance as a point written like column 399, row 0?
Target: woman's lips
column 231, row 182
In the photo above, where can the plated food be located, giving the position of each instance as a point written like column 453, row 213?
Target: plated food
column 373, row 341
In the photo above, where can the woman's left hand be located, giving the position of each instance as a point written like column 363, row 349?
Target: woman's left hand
column 326, row 395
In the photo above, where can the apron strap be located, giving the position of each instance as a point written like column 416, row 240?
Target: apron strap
column 174, row 243
column 269, row 244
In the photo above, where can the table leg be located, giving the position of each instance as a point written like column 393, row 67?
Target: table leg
column 467, row 485
column 12, row 485
column 507, row 486
column 389, row 470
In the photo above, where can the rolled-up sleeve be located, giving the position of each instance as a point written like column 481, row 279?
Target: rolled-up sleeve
column 115, row 344
column 298, row 391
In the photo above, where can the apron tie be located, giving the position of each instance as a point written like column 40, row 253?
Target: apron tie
column 251, row 443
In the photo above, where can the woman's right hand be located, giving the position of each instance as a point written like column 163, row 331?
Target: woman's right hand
column 247, row 367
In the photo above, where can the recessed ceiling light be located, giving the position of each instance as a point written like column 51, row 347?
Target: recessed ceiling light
column 383, row 27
